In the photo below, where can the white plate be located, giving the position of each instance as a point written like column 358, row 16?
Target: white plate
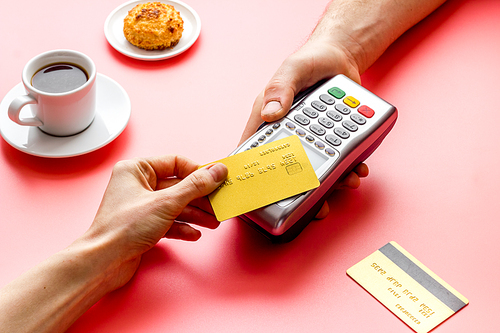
column 113, row 29
column 112, row 115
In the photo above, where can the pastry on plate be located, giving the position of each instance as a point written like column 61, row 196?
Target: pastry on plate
column 153, row 26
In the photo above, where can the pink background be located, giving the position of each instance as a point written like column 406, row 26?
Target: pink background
column 432, row 188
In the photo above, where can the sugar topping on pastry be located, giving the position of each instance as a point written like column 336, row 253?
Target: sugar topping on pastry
column 153, row 26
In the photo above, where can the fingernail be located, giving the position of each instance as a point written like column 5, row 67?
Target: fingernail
column 218, row 171
column 271, row 108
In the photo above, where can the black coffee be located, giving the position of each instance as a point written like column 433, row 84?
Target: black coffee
column 59, row 78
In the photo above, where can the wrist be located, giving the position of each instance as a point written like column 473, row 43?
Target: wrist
column 102, row 261
column 363, row 36
column 329, row 58
column 355, row 46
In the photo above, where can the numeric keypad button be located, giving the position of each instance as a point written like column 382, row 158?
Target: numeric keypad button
column 360, row 120
column 350, row 125
column 333, row 140
column 326, row 122
column 342, row 133
column 342, row 108
column 318, row 106
column 310, row 113
column 318, row 130
column 301, row 119
column 327, row 99
column 335, row 116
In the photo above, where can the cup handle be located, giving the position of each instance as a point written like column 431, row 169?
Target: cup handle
column 15, row 109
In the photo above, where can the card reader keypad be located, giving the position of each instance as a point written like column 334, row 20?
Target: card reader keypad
column 331, row 118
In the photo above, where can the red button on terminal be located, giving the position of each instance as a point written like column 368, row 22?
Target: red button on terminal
column 366, row 111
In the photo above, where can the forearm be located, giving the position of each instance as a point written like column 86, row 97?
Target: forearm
column 366, row 28
column 52, row 295
column 141, row 205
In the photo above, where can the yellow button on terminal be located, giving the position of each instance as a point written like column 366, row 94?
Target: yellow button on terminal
column 351, row 101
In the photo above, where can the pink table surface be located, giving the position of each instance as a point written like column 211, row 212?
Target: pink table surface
column 432, row 188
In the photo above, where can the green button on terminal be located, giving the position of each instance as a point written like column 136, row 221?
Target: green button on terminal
column 336, row 92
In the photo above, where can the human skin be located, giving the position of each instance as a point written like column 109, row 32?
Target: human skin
column 349, row 38
column 143, row 203
column 146, row 198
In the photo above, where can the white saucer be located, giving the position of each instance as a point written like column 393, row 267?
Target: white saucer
column 113, row 29
column 112, row 115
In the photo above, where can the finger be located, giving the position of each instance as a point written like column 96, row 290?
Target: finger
column 299, row 71
column 351, row 181
column 202, row 203
column 310, row 64
column 171, row 166
column 166, row 183
column 281, row 90
column 151, row 171
column 196, row 185
column 362, row 170
column 194, row 215
column 323, row 212
column 254, row 120
column 183, row 231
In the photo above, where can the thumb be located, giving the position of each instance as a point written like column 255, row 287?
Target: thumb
column 199, row 183
column 278, row 97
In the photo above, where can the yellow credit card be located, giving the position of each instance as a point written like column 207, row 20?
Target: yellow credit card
column 261, row 176
column 407, row 288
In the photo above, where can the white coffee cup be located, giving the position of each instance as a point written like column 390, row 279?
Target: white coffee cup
column 60, row 114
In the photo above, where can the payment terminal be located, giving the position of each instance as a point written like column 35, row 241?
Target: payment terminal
column 340, row 124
